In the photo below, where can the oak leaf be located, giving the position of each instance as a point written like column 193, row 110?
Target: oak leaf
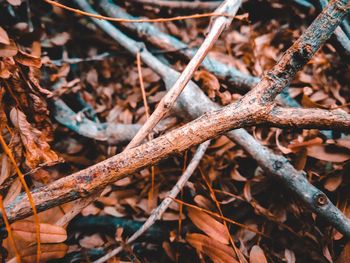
column 209, row 225
column 217, row 251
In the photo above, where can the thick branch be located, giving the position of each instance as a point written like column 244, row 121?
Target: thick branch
column 309, row 118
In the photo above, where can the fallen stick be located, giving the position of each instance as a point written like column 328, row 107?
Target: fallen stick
column 247, row 111
column 159, row 211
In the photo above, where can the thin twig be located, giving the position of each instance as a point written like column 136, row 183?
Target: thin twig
column 159, row 211
column 183, row 5
column 121, row 20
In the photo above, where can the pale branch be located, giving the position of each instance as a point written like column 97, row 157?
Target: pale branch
column 309, row 118
column 159, row 211
column 216, row 27
column 182, row 5
column 244, row 112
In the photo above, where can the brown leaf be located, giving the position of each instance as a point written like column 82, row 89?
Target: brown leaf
column 217, row 251
column 257, row 255
column 27, row 59
column 15, row 2
column 319, row 152
column 48, row 233
column 38, row 150
column 345, row 254
column 208, row 225
column 308, row 103
column 48, row 251
column 60, row 39
column 4, row 38
column 333, row 182
column 8, row 50
column 209, row 82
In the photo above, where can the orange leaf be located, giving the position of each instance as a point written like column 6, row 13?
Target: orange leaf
column 257, row 255
column 27, row 59
column 208, row 225
column 217, row 251
column 48, row 233
column 319, row 152
column 38, row 151
column 4, row 38
column 8, row 50
column 48, row 251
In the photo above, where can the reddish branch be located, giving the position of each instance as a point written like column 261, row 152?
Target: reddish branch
column 248, row 111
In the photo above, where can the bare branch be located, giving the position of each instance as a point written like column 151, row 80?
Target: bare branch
column 309, row 118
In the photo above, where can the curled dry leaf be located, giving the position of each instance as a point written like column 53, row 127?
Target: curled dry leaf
column 25, row 230
column 333, row 182
column 48, row 251
column 4, row 38
column 8, row 50
column 27, row 59
column 320, row 152
column 38, row 151
column 209, row 82
column 208, row 225
column 257, row 255
column 217, row 251
column 15, row 2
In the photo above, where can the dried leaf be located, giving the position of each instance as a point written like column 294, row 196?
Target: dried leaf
column 27, row 59
column 8, row 50
column 15, row 2
column 48, row 233
column 208, row 225
column 333, row 182
column 257, row 255
column 217, row 251
column 319, row 152
column 4, row 38
column 48, row 251
column 289, row 255
column 38, row 150
column 345, row 254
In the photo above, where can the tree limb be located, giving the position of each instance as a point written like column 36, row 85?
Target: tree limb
column 308, row 118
